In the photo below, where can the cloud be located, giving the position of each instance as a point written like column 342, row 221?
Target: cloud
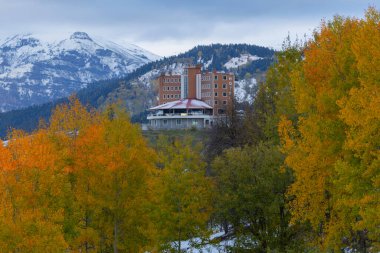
column 182, row 23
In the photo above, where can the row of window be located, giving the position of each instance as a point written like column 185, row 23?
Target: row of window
column 224, row 86
column 206, row 94
column 209, row 102
column 224, row 78
column 208, row 86
column 178, row 122
column 204, row 86
column 169, row 96
column 165, row 88
column 172, row 80
column 203, row 78
column 224, row 102
column 224, row 94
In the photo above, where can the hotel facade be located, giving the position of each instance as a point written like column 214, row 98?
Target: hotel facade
column 193, row 99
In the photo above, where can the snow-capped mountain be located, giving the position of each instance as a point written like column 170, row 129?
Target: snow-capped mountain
column 34, row 72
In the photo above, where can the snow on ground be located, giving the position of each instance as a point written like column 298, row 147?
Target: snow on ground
column 245, row 89
column 150, row 75
column 235, row 62
column 174, row 69
column 195, row 245
column 207, row 64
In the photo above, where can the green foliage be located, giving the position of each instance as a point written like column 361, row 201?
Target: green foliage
column 185, row 193
column 251, row 179
column 251, row 197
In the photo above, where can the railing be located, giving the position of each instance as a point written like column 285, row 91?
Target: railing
column 179, row 114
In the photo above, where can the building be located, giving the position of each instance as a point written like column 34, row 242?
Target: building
column 192, row 99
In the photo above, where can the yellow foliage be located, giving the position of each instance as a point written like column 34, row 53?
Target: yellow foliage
column 333, row 147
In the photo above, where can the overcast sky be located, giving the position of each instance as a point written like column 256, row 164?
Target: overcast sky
column 168, row 27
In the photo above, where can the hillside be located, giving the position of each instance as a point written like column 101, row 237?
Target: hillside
column 137, row 92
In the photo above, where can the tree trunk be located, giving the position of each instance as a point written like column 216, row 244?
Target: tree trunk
column 179, row 241
column 115, row 231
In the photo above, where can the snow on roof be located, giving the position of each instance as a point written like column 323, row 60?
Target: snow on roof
column 183, row 104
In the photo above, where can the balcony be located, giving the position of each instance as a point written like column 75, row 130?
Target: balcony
column 177, row 115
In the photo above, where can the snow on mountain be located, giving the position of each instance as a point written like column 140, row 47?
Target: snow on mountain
column 236, row 62
column 208, row 63
column 34, row 72
column 174, row 69
column 245, row 90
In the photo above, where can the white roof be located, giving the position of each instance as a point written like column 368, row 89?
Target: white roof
column 183, row 104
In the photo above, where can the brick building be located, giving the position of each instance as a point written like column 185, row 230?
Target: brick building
column 194, row 93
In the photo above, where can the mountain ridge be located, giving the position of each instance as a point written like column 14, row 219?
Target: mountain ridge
column 33, row 71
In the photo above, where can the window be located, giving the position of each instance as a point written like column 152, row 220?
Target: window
column 215, row 77
column 178, row 121
column 224, row 94
column 224, row 77
column 176, row 88
column 172, row 96
column 224, row 86
column 216, row 102
column 164, row 96
column 216, row 94
column 216, row 86
column 165, row 121
column 224, row 102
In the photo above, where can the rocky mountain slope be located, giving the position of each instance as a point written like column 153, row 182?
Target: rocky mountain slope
column 34, row 72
